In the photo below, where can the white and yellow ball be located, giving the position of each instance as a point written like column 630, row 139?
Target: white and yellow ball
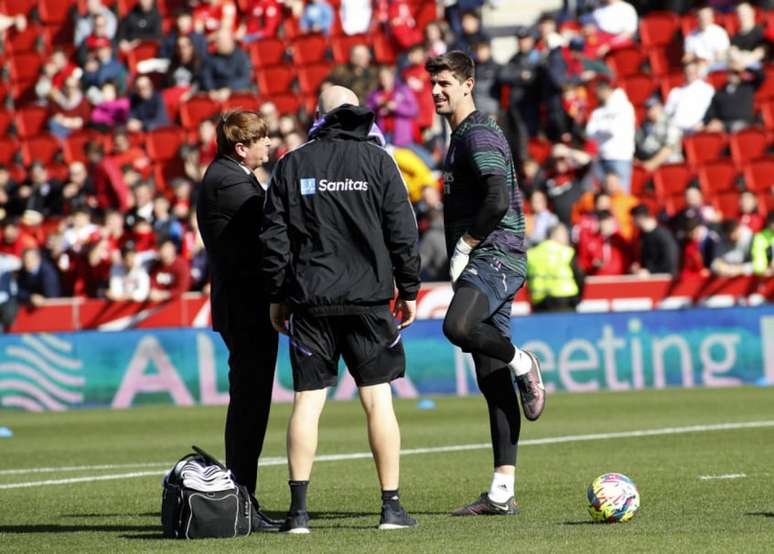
column 613, row 498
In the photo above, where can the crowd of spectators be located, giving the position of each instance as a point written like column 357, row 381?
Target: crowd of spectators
column 113, row 217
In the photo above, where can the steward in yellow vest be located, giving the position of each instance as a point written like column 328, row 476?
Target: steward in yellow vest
column 553, row 276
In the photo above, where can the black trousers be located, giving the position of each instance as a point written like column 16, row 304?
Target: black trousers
column 252, row 361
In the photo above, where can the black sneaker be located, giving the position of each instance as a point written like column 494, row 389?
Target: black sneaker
column 296, row 523
column 485, row 506
column 262, row 523
column 531, row 390
column 393, row 518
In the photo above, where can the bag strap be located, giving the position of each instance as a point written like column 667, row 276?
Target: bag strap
column 208, row 457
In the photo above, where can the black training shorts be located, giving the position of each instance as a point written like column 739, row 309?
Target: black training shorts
column 369, row 342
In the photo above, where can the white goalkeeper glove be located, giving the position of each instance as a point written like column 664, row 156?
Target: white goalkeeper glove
column 459, row 259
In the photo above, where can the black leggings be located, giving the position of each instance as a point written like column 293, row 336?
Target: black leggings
column 466, row 326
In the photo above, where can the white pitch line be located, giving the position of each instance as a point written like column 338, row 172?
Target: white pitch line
column 367, row 455
column 723, row 476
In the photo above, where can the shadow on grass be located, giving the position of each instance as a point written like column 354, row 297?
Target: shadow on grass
column 760, row 514
column 54, row 528
column 584, row 522
column 145, row 514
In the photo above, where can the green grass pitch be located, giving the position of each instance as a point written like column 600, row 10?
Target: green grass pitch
column 680, row 512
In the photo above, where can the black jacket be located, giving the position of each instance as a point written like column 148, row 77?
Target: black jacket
column 338, row 224
column 229, row 211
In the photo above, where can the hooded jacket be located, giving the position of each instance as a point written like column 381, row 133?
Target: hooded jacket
column 339, row 232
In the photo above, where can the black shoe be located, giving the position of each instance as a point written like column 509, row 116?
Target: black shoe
column 296, row 523
column 485, row 506
column 261, row 522
column 395, row 518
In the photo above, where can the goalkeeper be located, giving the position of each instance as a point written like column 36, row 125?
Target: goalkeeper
column 484, row 225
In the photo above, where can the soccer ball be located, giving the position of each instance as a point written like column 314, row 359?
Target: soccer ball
column 613, row 498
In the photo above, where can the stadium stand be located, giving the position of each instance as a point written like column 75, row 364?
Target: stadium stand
column 40, row 55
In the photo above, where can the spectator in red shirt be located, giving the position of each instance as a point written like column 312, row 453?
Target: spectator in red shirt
column 92, row 270
column 261, row 21
column 605, row 252
column 170, row 275
column 402, row 26
column 210, row 16
column 749, row 212
column 14, row 240
column 699, row 249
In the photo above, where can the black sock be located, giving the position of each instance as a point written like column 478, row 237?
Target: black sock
column 298, row 495
column 391, row 499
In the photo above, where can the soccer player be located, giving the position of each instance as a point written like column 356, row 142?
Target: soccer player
column 484, row 224
column 339, row 235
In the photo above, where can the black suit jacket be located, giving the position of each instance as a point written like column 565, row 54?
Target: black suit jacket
column 229, row 211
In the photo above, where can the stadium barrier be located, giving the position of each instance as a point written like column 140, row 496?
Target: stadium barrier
column 601, row 294
column 580, row 352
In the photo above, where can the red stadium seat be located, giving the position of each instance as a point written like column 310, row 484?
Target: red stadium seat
column 9, row 150
column 165, row 172
column 671, row 179
column 276, row 80
column 287, row 103
column 673, row 204
column 688, row 22
column 342, row 46
column 729, row 21
column 31, row 121
column 55, row 12
column 640, row 182
column 766, row 90
column 244, row 101
column 62, row 35
column 25, row 67
column 31, row 39
column 426, row 12
column 164, row 144
column 658, row 28
column 196, row 109
column 668, row 82
column 73, row 147
column 310, row 48
column 43, row 148
column 727, row 204
column 718, row 177
column 717, row 79
column 748, row 144
column 125, row 6
column 759, row 175
column 704, row 147
column 268, row 51
column 310, row 77
column 626, row 62
column 143, row 51
column 638, row 88
column 18, row 7
column 665, row 60
column 384, row 49
column 767, row 113
column 6, row 118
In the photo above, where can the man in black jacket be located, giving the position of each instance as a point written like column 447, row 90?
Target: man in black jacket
column 339, row 234
column 229, row 215
column 659, row 252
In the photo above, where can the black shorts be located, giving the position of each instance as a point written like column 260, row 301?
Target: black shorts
column 369, row 342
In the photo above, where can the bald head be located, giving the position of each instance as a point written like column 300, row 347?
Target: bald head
column 335, row 96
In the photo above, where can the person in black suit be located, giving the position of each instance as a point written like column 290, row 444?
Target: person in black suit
column 229, row 212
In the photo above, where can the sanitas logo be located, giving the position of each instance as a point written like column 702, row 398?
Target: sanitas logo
column 347, row 184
